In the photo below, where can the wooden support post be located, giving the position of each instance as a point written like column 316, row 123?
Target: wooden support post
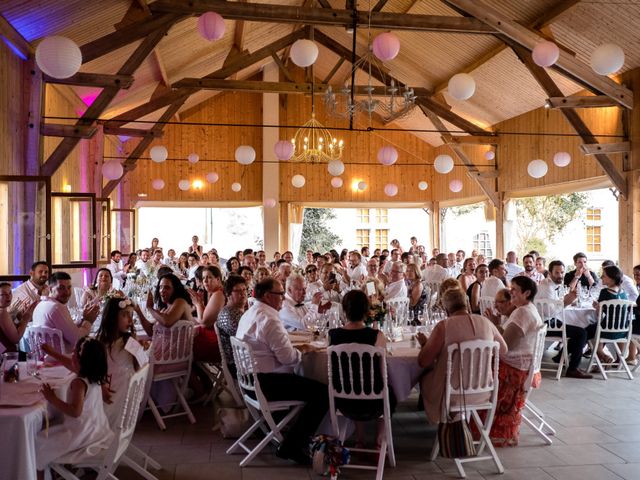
column 435, row 225
column 500, row 253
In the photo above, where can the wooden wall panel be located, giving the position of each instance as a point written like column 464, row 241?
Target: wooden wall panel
column 470, row 188
column 13, row 114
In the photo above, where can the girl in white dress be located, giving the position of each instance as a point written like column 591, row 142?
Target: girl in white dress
column 85, row 431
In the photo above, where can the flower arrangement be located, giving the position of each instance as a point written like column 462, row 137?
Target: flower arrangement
column 377, row 313
column 328, row 455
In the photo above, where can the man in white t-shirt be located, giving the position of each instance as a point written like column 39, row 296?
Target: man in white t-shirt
column 356, row 271
column 34, row 288
column 394, row 257
column 497, row 278
column 437, row 273
column 512, row 266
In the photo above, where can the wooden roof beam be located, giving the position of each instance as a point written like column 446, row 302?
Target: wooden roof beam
column 595, row 148
column 528, row 39
column 100, row 80
column 597, row 101
column 15, row 40
column 263, row 12
column 132, row 132
column 72, row 131
column 581, row 128
column 473, row 140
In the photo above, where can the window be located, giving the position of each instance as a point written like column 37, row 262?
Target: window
column 594, row 214
column 382, row 216
column 482, row 243
column 363, row 215
column 362, row 237
column 382, row 238
column 594, row 243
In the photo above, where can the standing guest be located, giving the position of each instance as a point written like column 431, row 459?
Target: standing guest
column 636, row 277
column 397, row 287
column 530, row 271
column 101, row 287
column 276, row 256
column 511, row 265
column 396, row 244
column 480, row 259
column 497, row 279
column 205, row 343
column 194, row 247
column 249, row 260
column 116, row 268
column 416, row 291
column 10, row 332
column 635, row 326
column 467, row 276
column 52, row 311
column 34, row 288
column 474, row 254
column 240, row 256
column 394, row 257
column 261, row 256
column 284, row 270
column 235, row 290
column 288, row 257
column 313, row 283
column 356, row 272
column 435, row 252
column 130, row 266
column 232, row 266
column 364, row 252
column 194, row 262
column 541, row 266
column 373, row 276
column 246, row 273
column 330, row 285
column 582, row 274
column 155, row 245
column 459, row 265
column 474, row 291
column 276, row 360
column 307, row 260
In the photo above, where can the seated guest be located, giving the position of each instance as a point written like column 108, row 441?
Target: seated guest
column 170, row 260
column 284, row 270
column 193, row 261
column 541, row 268
column 356, row 307
column 276, row 360
column 330, row 284
column 474, row 292
column 612, row 281
column 459, row 326
column 130, row 266
column 467, row 277
column 34, row 288
column 52, row 311
column 416, row 291
column 10, row 332
column 502, row 308
column 397, row 287
column 636, row 277
column 173, row 302
column 511, row 266
column 530, row 271
column 293, row 308
column 205, row 343
column 101, row 287
column 143, row 264
column 497, row 278
column 313, row 283
column 438, row 272
column 581, row 274
column 261, row 273
column 520, row 334
column 232, row 266
column 628, row 286
column 183, row 264
column 246, row 273
column 116, row 268
column 374, row 277
column 235, row 289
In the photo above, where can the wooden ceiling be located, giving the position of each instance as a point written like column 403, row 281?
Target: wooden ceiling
column 505, row 87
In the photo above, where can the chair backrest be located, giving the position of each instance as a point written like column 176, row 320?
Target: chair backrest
column 172, row 345
column 246, row 370
column 486, row 302
column 536, row 361
column 615, row 315
column 352, row 371
column 479, row 360
column 228, row 378
column 40, row 335
column 128, row 419
column 552, row 313
column 400, row 307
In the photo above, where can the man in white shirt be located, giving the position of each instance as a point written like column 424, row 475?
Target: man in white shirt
column 170, row 260
column 330, row 285
column 364, row 253
column 288, row 257
column 144, row 262
column 437, row 273
column 396, row 288
column 116, row 268
column 530, row 271
column 194, row 263
column 262, row 259
column 34, row 288
column 394, row 257
column 497, row 279
column 308, row 259
column 356, row 271
column 512, row 266
column 52, row 311
column 628, row 285
column 293, row 308
column 458, row 266
column 276, row 359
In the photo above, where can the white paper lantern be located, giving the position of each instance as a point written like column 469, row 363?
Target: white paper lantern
column 391, row 189
column 283, row 150
column 489, row 155
column 304, row 52
column 298, row 181
column 336, row 182
column 212, row 177
column 269, row 202
column 211, row 26
column 545, row 54
column 336, row 168
column 157, row 184
column 423, row 185
column 386, row 46
column 193, row 158
column 236, row 187
column 561, row 159
column 362, row 185
column 462, row 86
column 245, row 155
column 387, row 155
column 158, row 153
column 537, row 168
column 455, row 186
column 607, row 59
column 443, row 164
column 112, row 170
column 184, row 185
column 58, row 57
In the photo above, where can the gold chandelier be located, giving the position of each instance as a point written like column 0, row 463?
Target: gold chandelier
column 314, row 143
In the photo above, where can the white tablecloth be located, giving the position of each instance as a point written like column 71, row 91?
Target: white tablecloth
column 579, row 317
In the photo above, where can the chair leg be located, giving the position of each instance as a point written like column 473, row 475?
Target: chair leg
column 537, row 428
column 382, row 455
column 146, row 459
column 156, row 414
column 240, row 441
column 183, row 401
column 622, row 361
column 435, row 449
column 257, row 449
column 539, row 416
column 139, row 469
column 389, row 436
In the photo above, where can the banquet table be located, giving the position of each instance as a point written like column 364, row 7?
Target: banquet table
column 23, row 411
column 580, row 316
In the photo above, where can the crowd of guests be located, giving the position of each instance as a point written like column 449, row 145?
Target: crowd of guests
column 261, row 301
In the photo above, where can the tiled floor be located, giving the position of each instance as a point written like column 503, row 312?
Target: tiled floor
column 598, row 438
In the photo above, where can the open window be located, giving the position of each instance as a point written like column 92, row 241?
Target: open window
column 73, row 235
column 103, row 210
column 123, row 229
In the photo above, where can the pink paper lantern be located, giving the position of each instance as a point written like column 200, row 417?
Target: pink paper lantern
column 112, row 170
column 212, row 177
column 545, row 54
column 455, row 186
column 270, row 202
column 387, row 155
column 391, row 189
column 336, row 182
column 386, row 46
column 211, row 26
column 193, row 158
column 283, row 150
column 157, row 184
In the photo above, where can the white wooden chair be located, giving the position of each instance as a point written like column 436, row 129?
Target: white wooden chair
column 231, row 385
column 613, row 317
column 350, row 360
column 400, row 308
column 106, row 463
column 37, row 336
column 171, row 357
column 552, row 313
column 538, row 423
column 479, row 359
column 259, row 407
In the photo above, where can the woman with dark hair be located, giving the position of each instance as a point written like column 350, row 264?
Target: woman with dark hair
column 611, row 280
column 101, row 287
column 183, row 263
column 232, row 265
column 130, row 266
column 467, row 277
column 356, row 307
column 235, row 289
column 205, row 343
column 173, row 304
column 474, row 291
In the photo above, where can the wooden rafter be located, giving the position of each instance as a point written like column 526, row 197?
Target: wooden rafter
column 581, row 128
column 102, row 101
column 527, row 38
column 132, row 132
column 477, row 140
column 261, row 12
column 14, row 38
column 72, row 131
column 425, row 97
column 334, row 70
column 278, row 61
column 101, row 80
column 379, row 6
column 487, row 185
column 230, row 67
column 597, row 101
column 593, row 149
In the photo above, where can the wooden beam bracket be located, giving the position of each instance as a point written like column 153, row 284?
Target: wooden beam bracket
column 594, row 148
column 93, row 80
column 597, row 101
column 71, row 131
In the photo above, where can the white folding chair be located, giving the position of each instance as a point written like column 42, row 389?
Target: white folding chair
column 552, row 313
column 346, row 364
column 259, row 407
column 171, row 356
column 400, row 308
column 636, row 340
column 486, row 303
column 538, row 424
column 37, row 336
column 231, row 385
column 106, row 463
column 613, row 317
column 479, row 362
